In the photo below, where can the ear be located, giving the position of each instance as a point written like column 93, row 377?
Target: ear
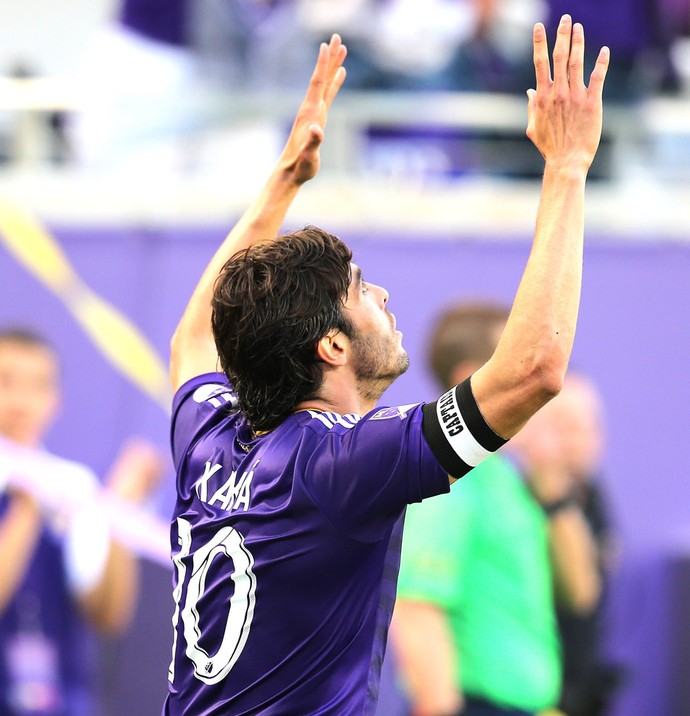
column 333, row 348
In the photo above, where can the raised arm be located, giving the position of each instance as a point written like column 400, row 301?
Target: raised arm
column 564, row 122
column 109, row 597
column 192, row 348
column 20, row 528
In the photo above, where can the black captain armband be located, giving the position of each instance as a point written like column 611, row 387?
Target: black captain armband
column 456, row 431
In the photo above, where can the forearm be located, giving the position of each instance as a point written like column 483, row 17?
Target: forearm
column 574, row 561
column 110, row 604
column 192, row 348
column 19, row 533
column 564, row 122
column 541, row 327
column 426, row 659
column 532, row 355
column 261, row 222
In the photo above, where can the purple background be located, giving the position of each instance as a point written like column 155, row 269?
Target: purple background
column 632, row 338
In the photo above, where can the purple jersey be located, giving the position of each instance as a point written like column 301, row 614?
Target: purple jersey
column 47, row 654
column 286, row 550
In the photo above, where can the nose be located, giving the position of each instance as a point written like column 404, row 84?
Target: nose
column 383, row 294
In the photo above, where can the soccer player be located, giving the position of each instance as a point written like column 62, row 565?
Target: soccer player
column 291, row 485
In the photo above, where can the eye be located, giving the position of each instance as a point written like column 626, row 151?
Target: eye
column 365, row 287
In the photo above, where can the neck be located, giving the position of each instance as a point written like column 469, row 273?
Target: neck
column 342, row 393
column 342, row 405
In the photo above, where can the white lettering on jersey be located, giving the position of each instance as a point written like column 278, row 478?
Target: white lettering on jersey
column 232, row 494
column 330, row 420
column 215, row 394
column 210, row 667
column 201, row 485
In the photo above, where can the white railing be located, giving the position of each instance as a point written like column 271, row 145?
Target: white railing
column 650, row 199
column 26, row 102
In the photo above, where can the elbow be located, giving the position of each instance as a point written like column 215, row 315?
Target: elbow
column 545, row 372
column 175, row 352
column 114, row 625
column 110, row 615
column 544, row 381
column 549, row 382
column 585, row 598
column 175, row 342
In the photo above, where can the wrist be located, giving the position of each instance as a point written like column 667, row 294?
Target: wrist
column 291, row 176
column 575, row 171
column 86, row 549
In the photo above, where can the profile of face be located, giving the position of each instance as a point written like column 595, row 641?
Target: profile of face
column 377, row 355
column 577, row 416
column 29, row 390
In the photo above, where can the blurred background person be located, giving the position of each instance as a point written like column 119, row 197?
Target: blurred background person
column 443, row 45
column 161, row 84
column 474, row 629
column 576, row 416
column 60, row 572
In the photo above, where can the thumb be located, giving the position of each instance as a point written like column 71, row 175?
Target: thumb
column 314, row 137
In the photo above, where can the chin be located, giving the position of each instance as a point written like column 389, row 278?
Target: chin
column 403, row 362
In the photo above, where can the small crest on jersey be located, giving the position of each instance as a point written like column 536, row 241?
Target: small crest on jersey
column 215, row 394
column 399, row 411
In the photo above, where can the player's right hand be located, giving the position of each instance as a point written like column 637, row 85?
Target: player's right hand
column 137, row 471
column 300, row 160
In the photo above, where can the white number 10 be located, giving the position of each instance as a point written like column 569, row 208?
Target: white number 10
column 226, row 542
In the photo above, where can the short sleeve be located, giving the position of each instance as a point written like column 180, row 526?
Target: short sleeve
column 363, row 476
column 435, row 541
column 199, row 404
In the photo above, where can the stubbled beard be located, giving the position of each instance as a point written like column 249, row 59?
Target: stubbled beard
column 378, row 361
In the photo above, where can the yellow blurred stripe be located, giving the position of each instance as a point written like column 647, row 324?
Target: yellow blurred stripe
column 33, row 247
column 115, row 336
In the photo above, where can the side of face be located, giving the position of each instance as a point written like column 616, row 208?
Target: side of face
column 376, row 351
column 29, row 391
column 578, row 417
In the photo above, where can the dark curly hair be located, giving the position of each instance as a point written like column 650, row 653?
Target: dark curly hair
column 272, row 303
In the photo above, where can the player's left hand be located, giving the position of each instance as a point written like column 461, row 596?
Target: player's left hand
column 300, row 159
column 564, row 114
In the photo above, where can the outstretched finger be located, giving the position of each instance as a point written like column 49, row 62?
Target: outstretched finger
column 561, row 52
column 335, row 54
column 336, row 71
column 541, row 57
column 319, row 76
column 335, row 86
column 596, row 80
column 577, row 56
